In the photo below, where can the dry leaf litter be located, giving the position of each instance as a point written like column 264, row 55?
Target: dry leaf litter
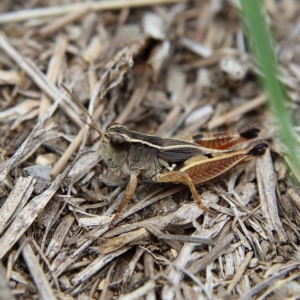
column 169, row 68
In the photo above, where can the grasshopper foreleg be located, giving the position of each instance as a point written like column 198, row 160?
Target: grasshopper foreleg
column 130, row 189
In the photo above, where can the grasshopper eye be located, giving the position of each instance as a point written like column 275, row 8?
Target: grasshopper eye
column 117, row 139
column 119, row 143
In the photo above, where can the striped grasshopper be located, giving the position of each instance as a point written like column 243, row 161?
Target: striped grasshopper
column 189, row 160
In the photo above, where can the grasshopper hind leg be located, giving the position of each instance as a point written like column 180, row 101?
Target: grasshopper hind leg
column 202, row 168
column 181, row 177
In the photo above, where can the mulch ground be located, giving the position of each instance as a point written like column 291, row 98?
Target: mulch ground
column 164, row 68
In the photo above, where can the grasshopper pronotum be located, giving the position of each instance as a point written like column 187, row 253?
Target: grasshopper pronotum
column 189, row 160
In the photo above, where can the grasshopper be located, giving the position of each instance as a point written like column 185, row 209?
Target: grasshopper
column 189, row 160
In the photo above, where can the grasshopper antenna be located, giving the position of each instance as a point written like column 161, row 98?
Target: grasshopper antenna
column 84, row 110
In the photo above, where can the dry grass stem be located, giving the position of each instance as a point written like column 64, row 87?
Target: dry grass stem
column 91, row 5
column 59, row 23
column 237, row 113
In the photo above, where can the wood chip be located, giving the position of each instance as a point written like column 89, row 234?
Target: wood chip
column 266, row 188
column 59, row 236
column 16, row 200
column 37, row 273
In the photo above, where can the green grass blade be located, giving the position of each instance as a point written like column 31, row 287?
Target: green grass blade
column 260, row 38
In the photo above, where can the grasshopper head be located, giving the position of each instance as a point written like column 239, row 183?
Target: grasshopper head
column 115, row 146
